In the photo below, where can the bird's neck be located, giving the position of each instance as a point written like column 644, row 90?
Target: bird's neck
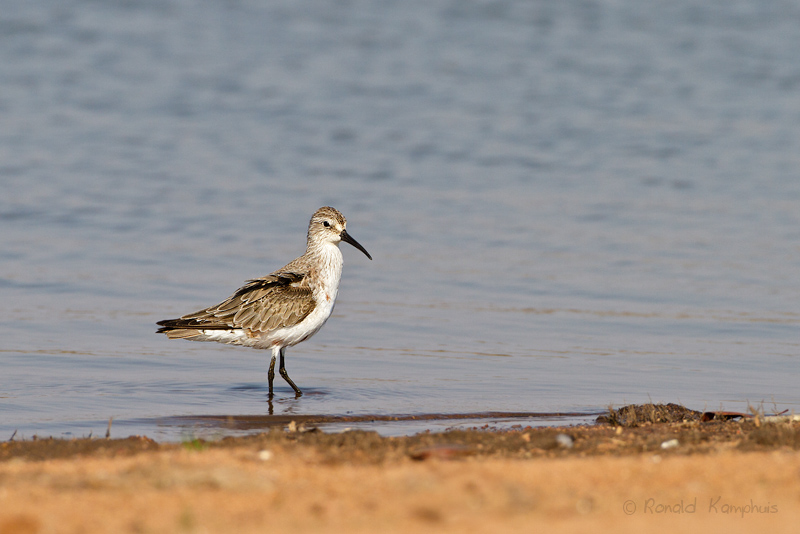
column 327, row 260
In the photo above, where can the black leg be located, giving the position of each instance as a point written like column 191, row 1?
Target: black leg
column 285, row 376
column 271, row 375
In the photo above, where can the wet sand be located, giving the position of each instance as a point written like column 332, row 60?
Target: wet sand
column 715, row 476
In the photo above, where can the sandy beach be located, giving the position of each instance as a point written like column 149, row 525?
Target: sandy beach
column 710, row 477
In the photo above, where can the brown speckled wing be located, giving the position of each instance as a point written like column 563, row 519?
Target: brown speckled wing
column 275, row 301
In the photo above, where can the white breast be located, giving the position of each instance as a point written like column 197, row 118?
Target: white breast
column 326, row 275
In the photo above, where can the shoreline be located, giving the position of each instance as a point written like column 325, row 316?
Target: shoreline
column 720, row 475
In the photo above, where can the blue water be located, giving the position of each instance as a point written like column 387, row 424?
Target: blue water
column 570, row 205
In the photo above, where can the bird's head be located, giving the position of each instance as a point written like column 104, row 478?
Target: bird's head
column 328, row 225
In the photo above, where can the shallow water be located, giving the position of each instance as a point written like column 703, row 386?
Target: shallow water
column 569, row 205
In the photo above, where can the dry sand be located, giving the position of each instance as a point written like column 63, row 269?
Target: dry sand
column 719, row 476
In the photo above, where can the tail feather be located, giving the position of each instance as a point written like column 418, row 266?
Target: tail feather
column 171, row 324
column 187, row 328
column 180, row 333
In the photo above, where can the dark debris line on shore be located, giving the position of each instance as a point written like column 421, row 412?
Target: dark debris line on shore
column 636, row 414
column 685, row 431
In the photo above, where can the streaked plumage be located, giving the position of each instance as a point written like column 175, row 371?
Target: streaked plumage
column 283, row 308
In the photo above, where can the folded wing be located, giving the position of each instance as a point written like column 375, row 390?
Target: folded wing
column 262, row 305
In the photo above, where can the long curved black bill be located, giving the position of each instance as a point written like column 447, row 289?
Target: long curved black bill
column 347, row 239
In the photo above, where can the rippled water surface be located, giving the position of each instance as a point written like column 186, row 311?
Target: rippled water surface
column 570, row 205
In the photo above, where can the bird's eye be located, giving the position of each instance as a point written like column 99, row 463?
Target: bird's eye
column 326, row 224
